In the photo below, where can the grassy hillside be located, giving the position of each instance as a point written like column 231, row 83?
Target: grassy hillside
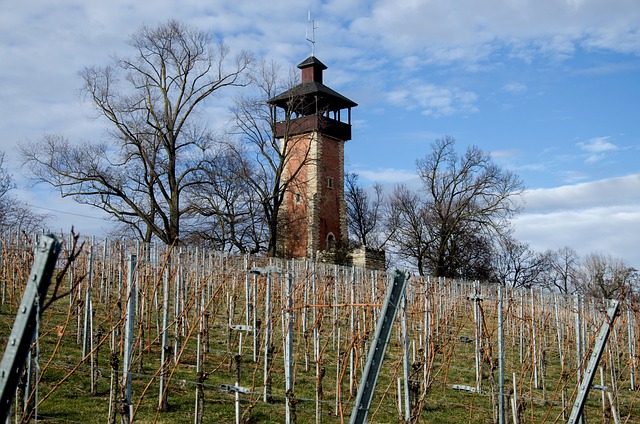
column 333, row 320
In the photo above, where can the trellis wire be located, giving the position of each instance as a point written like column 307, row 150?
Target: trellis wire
column 548, row 328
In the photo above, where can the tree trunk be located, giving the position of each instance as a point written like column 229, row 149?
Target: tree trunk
column 272, row 248
column 113, row 391
column 200, row 397
column 164, row 374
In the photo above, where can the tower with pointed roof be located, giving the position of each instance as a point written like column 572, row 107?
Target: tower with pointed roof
column 316, row 126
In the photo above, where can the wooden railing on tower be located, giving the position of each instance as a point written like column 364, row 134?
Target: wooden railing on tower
column 309, row 123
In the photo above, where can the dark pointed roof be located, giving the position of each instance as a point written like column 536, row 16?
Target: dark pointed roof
column 312, row 88
column 312, row 61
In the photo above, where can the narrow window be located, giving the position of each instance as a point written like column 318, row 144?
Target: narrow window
column 331, row 241
column 330, row 182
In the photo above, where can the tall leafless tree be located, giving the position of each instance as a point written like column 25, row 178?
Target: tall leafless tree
column 228, row 214
column 152, row 103
column 607, row 276
column 15, row 213
column 465, row 190
column 6, row 185
column 277, row 163
column 470, row 256
column 460, row 195
column 515, row 264
column 364, row 212
column 408, row 221
column 562, row 273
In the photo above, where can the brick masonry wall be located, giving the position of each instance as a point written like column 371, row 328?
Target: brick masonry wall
column 331, row 180
column 320, row 186
column 294, row 211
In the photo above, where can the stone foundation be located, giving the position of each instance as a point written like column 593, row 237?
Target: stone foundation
column 361, row 257
column 368, row 258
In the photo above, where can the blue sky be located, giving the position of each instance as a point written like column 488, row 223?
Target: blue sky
column 549, row 87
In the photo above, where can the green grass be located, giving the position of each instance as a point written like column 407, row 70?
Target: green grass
column 453, row 363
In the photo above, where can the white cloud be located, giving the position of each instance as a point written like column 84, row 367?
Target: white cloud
column 515, row 87
column 596, row 148
column 367, row 45
column 600, row 216
column 603, row 193
column 505, row 155
column 598, row 145
column 558, row 46
column 387, row 175
column 433, row 100
column 610, row 230
column 455, row 30
column 617, row 38
column 572, row 177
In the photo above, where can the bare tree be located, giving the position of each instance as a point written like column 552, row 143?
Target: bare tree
column 562, row 274
column 471, row 256
column 228, row 213
column 6, row 185
column 156, row 145
column 607, row 276
column 364, row 212
column 464, row 193
column 408, row 221
column 277, row 163
column 516, row 264
column 13, row 212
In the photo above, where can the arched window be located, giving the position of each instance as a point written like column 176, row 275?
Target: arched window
column 331, row 241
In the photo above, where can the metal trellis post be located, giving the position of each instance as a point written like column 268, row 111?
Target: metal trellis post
column 19, row 343
column 129, row 329
column 589, row 373
column 378, row 348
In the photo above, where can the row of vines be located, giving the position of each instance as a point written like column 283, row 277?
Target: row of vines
column 150, row 333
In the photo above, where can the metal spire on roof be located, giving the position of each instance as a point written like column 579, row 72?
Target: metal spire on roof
column 312, row 40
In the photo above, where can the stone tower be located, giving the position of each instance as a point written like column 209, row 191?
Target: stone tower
column 316, row 124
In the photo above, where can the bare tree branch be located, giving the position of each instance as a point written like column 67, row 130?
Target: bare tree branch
column 463, row 197
column 156, row 148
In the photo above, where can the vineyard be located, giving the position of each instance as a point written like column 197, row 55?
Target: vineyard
column 150, row 333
